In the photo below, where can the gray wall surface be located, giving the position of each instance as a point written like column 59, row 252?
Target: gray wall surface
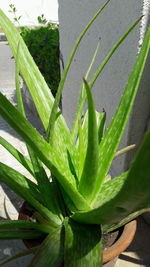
column 117, row 17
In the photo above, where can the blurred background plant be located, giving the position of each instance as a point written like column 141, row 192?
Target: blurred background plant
column 43, row 44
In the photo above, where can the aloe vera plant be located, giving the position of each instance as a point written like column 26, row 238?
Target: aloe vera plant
column 78, row 204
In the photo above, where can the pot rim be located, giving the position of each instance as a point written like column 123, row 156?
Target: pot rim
column 122, row 243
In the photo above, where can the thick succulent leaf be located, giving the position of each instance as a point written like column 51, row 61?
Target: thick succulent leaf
column 114, row 133
column 82, row 99
column 19, row 255
column 53, row 160
column 67, row 67
column 87, row 181
column 26, row 189
column 12, row 224
column 17, row 154
column 45, row 187
column 82, row 140
column 81, row 150
column 109, row 191
column 39, row 172
column 39, row 90
column 20, row 234
column 82, row 245
column 50, row 253
column 21, row 180
column 130, row 195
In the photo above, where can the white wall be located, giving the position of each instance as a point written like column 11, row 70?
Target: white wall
column 30, row 9
column 114, row 21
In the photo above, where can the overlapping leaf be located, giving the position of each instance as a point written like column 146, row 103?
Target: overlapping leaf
column 120, row 198
column 38, row 89
column 88, row 177
column 82, row 245
column 114, row 133
column 26, row 189
column 54, row 161
column 50, row 253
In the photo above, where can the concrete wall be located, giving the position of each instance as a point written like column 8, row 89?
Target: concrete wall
column 111, row 24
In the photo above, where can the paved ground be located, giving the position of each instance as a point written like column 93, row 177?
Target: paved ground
column 138, row 254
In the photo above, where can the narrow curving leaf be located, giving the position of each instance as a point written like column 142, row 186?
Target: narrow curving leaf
column 124, row 150
column 88, row 177
column 112, row 51
column 82, row 99
column 109, row 143
column 82, row 245
column 65, row 72
column 106, row 228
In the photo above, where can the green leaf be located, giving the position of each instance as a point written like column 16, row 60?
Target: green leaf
column 33, row 78
column 82, row 140
column 39, row 172
column 39, row 90
column 81, row 149
column 109, row 143
column 50, row 253
column 17, row 80
column 114, row 48
column 44, row 185
column 87, row 181
column 82, row 98
column 64, row 74
column 26, row 189
column 20, row 234
column 49, row 156
column 17, row 154
column 11, row 224
column 122, row 198
column 82, row 245
column 101, row 125
column 11, row 181
column 109, row 191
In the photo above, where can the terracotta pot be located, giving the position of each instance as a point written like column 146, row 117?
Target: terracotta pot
column 110, row 254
